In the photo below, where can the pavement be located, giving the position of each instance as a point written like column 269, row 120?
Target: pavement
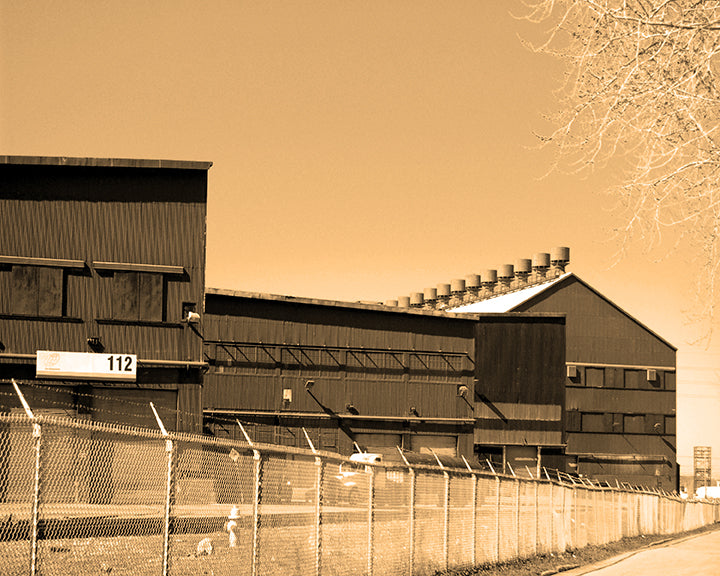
column 690, row 556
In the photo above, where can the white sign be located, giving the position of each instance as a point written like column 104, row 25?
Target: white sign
column 86, row 366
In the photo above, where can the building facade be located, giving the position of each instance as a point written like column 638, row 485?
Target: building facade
column 104, row 256
column 620, row 382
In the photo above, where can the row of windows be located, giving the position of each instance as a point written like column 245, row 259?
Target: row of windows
column 620, row 423
column 609, row 377
column 42, row 291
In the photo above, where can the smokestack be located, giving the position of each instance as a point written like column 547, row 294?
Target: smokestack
column 523, row 267
column 560, row 257
column 430, row 297
column 443, row 296
column 417, row 300
column 540, row 264
column 457, row 287
column 506, row 275
column 472, row 285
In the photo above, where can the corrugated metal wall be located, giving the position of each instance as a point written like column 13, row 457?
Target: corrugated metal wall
column 107, row 215
column 520, row 391
column 610, row 400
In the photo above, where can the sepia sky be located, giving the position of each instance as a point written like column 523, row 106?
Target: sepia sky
column 361, row 150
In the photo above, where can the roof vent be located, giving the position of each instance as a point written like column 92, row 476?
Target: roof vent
column 488, row 279
column 404, row 302
column 443, row 295
column 457, row 287
column 417, row 300
column 472, row 285
column 540, row 264
column 391, row 303
column 560, row 257
column 506, row 275
column 430, row 297
column 523, row 268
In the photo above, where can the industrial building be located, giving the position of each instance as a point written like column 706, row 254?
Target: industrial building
column 105, row 258
column 619, row 412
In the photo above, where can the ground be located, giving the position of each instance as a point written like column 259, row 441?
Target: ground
column 589, row 555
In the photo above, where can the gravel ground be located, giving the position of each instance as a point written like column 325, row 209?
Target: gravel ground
column 589, row 555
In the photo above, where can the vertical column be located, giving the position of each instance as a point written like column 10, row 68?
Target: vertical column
column 446, row 523
column 169, row 503
column 318, row 514
column 37, row 448
column 517, row 518
column 537, row 518
column 411, row 546
column 474, row 519
column 371, row 519
column 257, row 471
column 497, row 520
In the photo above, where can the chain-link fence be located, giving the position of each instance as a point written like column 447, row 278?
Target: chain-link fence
column 82, row 498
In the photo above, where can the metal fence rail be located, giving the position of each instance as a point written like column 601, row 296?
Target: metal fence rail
column 84, row 498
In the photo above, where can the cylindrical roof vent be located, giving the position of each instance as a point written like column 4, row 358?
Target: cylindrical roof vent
column 404, row 302
column 443, row 290
column 430, row 294
column 472, row 281
column 488, row 276
column 523, row 266
column 457, row 285
column 560, row 257
column 560, row 254
column 417, row 299
column 391, row 303
column 541, row 260
column 506, row 272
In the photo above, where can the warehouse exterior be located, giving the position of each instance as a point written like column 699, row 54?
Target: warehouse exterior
column 104, row 256
column 620, row 377
column 107, row 256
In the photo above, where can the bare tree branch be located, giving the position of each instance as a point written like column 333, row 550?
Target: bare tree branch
column 641, row 89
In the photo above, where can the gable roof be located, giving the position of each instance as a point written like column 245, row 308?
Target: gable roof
column 510, row 301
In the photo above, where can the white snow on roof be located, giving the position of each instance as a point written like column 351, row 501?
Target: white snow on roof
column 510, row 300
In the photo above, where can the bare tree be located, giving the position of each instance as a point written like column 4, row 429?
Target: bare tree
column 641, row 95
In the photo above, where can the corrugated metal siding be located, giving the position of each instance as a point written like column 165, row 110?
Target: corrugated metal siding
column 623, row 401
column 96, row 214
column 368, row 360
column 521, row 360
column 597, row 332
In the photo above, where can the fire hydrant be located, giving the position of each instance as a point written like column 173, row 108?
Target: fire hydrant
column 231, row 525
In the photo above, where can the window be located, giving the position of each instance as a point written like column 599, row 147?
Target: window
column 634, row 424
column 36, row 287
column 139, row 292
column 138, row 296
column 37, row 291
column 573, row 420
column 593, row 423
column 594, row 377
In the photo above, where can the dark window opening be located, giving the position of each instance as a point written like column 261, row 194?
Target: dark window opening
column 38, row 291
column 140, row 296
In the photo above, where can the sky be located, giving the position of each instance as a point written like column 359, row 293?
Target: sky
column 361, row 150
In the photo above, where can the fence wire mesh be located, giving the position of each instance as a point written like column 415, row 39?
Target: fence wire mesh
column 79, row 498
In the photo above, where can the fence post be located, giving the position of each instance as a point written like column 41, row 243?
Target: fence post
column 169, row 491
column 537, row 517
column 257, row 470
column 371, row 518
column 446, row 513
column 497, row 519
column 517, row 518
column 474, row 519
column 318, row 514
column 37, row 447
column 411, row 544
